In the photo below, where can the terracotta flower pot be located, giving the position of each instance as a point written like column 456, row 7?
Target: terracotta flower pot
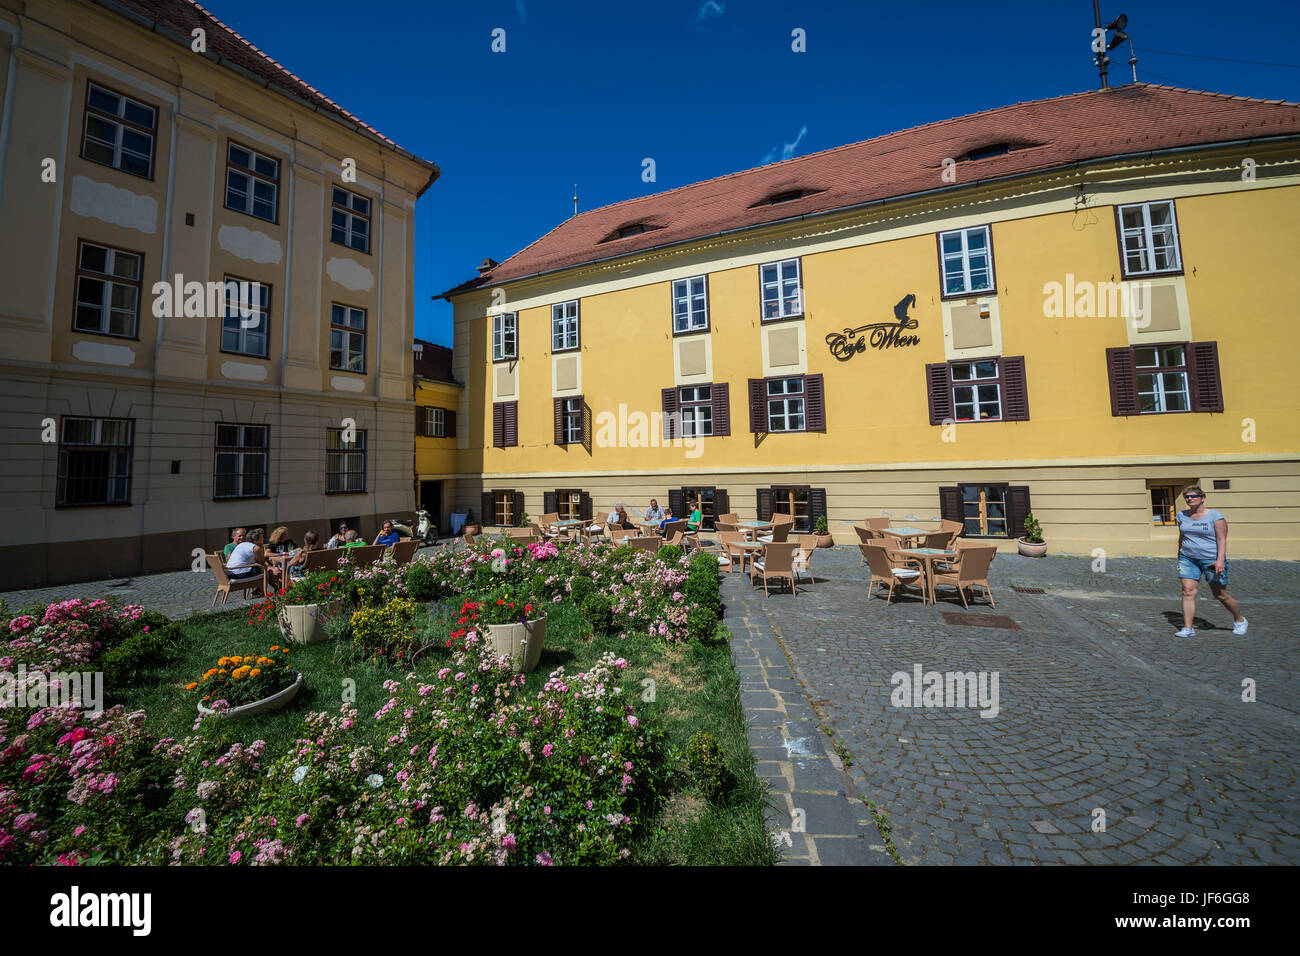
column 520, row 642
column 300, row 623
column 825, row 541
column 1031, row 550
column 265, row 705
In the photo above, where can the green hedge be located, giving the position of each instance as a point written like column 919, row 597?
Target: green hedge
column 703, row 589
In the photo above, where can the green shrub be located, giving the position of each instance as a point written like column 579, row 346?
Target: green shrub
column 702, row 588
column 423, row 583
column 385, row 632
column 1033, row 530
column 708, row 767
column 598, row 608
column 139, row 655
column 670, row 553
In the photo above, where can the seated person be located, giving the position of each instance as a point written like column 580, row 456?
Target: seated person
column 654, row 512
column 387, row 535
column 310, row 543
column 694, row 521
column 236, row 538
column 280, row 542
column 338, row 539
column 353, row 540
column 248, row 560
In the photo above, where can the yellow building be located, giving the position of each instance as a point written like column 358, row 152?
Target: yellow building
column 1074, row 306
column 207, row 312
column 437, row 398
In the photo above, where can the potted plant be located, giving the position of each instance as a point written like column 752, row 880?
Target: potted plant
column 249, row 684
column 303, row 607
column 1032, row 544
column 470, row 527
column 514, row 622
column 823, row 532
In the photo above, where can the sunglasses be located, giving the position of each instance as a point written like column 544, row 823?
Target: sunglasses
column 1192, row 497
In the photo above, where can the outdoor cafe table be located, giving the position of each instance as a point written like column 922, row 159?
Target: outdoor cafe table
column 747, row 550
column 928, row 557
column 906, row 534
column 649, row 527
column 569, row 525
column 752, row 528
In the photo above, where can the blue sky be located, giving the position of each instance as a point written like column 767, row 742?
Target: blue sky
column 585, row 91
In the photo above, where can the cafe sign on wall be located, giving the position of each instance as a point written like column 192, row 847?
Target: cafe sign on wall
column 879, row 335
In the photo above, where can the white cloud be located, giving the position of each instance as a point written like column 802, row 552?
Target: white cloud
column 786, row 150
column 710, row 9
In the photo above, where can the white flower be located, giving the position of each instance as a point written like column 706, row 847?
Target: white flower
column 375, row 780
column 299, row 775
column 499, row 565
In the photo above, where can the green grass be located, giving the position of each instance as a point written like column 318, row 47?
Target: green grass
column 695, row 688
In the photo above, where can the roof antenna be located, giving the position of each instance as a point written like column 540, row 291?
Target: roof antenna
column 575, row 199
column 1101, row 47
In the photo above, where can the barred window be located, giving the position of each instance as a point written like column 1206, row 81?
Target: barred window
column 95, row 459
column 345, row 464
column 240, row 461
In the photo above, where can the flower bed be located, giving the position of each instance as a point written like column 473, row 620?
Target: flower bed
column 240, row 680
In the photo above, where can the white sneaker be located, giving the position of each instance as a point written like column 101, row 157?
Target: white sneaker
column 1185, row 632
column 1239, row 627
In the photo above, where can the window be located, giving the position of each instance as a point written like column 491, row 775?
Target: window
column 782, row 291
column 793, row 501
column 505, row 424
column 345, row 464
column 241, row 460
column 976, row 395
column 564, row 326
column 633, row 230
column 1161, row 378
column 108, row 290
column 696, row 404
column 568, row 421
column 433, row 422
column 347, row 338
column 984, row 510
column 504, row 339
column 95, row 461
column 252, row 182
column 785, row 409
column 245, row 328
column 568, row 504
column 503, row 508
column 690, row 305
column 1149, row 237
column 350, row 220
column 966, row 257
column 1164, row 504
column 702, row 499
column 119, row 131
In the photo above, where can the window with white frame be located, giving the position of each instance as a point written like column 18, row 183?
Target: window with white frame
column 572, row 412
column 696, row 407
column 119, row 131
column 1149, row 233
column 435, row 422
column 240, row 462
column 976, row 391
column 690, row 304
column 108, row 290
column 252, row 182
column 95, row 456
column 347, row 338
column 967, row 260
column 785, row 409
column 782, row 289
column 245, row 327
column 505, row 342
column 564, row 326
column 350, row 220
column 1162, row 378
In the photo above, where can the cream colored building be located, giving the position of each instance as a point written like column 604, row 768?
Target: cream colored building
column 146, row 143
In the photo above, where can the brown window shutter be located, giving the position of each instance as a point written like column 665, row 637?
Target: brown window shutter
column 757, row 405
column 1017, row 508
column 814, row 419
column 816, row 506
column 950, row 504
column 519, row 507
column 512, row 423
column 582, row 431
column 586, row 427
column 419, row 423
column 721, row 409
column 498, row 425
column 489, row 509
column 1206, row 384
column 449, row 423
column 939, row 389
column 559, row 421
column 671, row 405
column 1123, row 381
column 677, row 503
column 721, row 505
column 584, row 506
column 764, row 504
column 550, row 501
column 1015, row 392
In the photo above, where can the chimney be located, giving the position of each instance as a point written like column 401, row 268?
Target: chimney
column 487, row 266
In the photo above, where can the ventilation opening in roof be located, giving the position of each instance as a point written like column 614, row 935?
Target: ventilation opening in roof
column 629, row 230
column 786, row 195
column 989, row 150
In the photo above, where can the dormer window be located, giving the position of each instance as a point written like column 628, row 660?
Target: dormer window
column 633, row 230
column 988, row 152
column 786, row 196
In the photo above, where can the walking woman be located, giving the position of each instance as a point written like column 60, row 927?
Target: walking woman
column 1203, row 550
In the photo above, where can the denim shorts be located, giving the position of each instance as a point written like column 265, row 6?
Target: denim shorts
column 1194, row 568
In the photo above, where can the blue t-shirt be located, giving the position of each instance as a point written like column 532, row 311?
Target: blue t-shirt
column 391, row 538
column 1199, row 539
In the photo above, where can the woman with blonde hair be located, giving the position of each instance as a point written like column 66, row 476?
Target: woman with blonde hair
column 1203, row 551
column 309, row 544
column 280, row 541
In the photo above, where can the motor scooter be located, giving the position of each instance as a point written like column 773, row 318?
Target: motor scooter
column 425, row 530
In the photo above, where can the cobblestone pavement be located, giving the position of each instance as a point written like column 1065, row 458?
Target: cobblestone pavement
column 1101, row 710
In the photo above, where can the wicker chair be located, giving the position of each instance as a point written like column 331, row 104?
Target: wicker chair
column 618, row 534
column 649, row 543
column 366, row 555
column 939, row 540
column 876, row 524
column 404, row 551
column 226, row 584
column 866, row 536
column 803, row 556
column 780, row 531
column 970, row 570
column 722, row 548
column 777, row 562
column 883, row 570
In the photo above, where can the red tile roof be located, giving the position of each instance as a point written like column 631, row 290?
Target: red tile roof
column 177, row 20
column 1043, row 134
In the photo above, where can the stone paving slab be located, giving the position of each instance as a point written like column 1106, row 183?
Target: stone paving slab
column 1101, row 710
